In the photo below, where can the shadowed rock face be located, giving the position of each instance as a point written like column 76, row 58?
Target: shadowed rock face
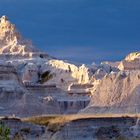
column 15, row 98
column 11, row 87
column 97, row 128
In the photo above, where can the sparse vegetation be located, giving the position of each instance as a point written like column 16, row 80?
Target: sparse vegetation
column 25, row 130
column 4, row 132
column 69, row 68
column 55, row 127
column 54, row 123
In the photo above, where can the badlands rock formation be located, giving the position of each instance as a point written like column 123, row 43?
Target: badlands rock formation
column 118, row 92
column 34, row 83
column 16, row 99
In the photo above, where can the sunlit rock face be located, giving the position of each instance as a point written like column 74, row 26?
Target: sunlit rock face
column 131, row 62
column 65, row 73
column 132, row 56
column 13, row 45
column 11, row 40
column 116, row 93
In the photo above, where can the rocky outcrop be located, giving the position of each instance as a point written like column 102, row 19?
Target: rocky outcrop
column 65, row 73
column 116, row 93
column 13, row 45
column 132, row 56
column 11, row 40
column 131, row 62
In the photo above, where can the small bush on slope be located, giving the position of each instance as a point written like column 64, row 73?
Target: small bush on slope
column 4, row 132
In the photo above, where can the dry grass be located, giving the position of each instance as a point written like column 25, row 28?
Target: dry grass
column 62, row 119
column 55, row 123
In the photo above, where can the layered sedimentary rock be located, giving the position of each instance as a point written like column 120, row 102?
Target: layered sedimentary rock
column 16, row 99
column 11, row 87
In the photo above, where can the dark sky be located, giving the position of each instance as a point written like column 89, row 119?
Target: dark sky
column 84, row 31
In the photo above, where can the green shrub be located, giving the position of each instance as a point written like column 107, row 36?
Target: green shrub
column 4, row 132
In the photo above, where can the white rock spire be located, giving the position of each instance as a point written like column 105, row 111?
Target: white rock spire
column 11, row 41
